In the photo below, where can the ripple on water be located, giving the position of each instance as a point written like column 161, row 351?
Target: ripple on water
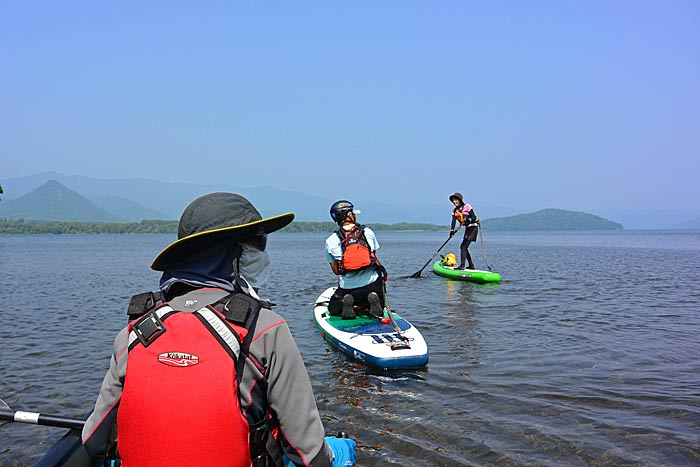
column 585, row 355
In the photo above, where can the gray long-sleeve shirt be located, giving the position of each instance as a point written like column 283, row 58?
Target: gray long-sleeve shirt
column 274, row 375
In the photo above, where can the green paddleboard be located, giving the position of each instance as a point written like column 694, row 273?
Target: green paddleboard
column 470, row 275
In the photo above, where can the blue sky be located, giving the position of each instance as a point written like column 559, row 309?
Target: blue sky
column 528, row 104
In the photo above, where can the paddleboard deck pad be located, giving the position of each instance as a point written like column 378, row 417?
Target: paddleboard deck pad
column 470, row 275
column 370, row 341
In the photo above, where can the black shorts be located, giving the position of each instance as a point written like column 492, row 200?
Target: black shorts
column 471, row 232
column 335, row 306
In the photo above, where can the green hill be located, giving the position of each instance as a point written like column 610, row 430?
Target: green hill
column 551, row 219
column 52, row 201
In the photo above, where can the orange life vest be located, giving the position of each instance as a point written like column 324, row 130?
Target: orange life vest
column 357, row 254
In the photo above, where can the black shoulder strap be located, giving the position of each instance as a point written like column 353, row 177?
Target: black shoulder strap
column 142, row 303
column 363, row 238
column 358, row 232
column 243, row 310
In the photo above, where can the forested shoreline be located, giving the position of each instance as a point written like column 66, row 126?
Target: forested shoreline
column 546, row 219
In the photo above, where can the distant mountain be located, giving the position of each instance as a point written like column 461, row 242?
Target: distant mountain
column 54, row 202
column 646, row 218
column 140, row 199
column 689, row 224
column 129, row 210
column 170, row 199
column 551, row 219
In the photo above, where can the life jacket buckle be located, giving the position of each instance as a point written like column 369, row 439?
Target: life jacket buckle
column 149, row 328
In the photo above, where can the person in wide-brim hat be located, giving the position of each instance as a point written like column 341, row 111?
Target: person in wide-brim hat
column 208, row 315
column 217, row 217
column 457, row 195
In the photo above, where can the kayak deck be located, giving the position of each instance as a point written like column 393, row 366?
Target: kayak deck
column 67, row 452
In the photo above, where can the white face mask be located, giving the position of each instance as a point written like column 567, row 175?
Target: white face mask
column 254, row 266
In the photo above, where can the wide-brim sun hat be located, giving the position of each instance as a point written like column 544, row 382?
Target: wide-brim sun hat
column 457, row 195
column 215, row 217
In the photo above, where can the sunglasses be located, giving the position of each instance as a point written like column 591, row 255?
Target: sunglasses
column 258, row 240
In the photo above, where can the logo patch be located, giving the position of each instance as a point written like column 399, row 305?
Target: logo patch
column 178, row 359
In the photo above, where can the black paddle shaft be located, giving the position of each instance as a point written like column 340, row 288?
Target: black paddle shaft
column 417, row 274
column 34, row 418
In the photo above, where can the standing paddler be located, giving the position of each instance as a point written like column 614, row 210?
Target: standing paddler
column 463, row 214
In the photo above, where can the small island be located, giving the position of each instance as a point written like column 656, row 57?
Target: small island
column 551, row 219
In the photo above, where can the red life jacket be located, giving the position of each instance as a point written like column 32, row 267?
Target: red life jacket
column 180, row 401
column 357, row 254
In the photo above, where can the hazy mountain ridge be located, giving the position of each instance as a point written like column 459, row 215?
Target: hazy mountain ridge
column 689, row 224
column 54, row 203
column 171, row 198
column 648, row 219
column 127, row 209
column 133, row 200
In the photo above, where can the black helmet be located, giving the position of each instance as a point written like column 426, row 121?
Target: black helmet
column 341, row 209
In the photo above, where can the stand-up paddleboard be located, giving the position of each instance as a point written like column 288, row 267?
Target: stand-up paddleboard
column 371, row 341
column 471, row 275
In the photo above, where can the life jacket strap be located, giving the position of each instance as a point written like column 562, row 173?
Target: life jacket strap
column 243, row 310
column 219, row 328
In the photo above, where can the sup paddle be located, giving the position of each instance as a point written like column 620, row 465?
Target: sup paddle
column 416, row 274
column 8, row 415
column 404, row 341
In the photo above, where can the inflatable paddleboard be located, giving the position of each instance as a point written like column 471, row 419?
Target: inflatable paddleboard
column 470, row 275
column 371, row 341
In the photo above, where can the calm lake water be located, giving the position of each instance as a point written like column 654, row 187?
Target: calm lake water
column 587, row 354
